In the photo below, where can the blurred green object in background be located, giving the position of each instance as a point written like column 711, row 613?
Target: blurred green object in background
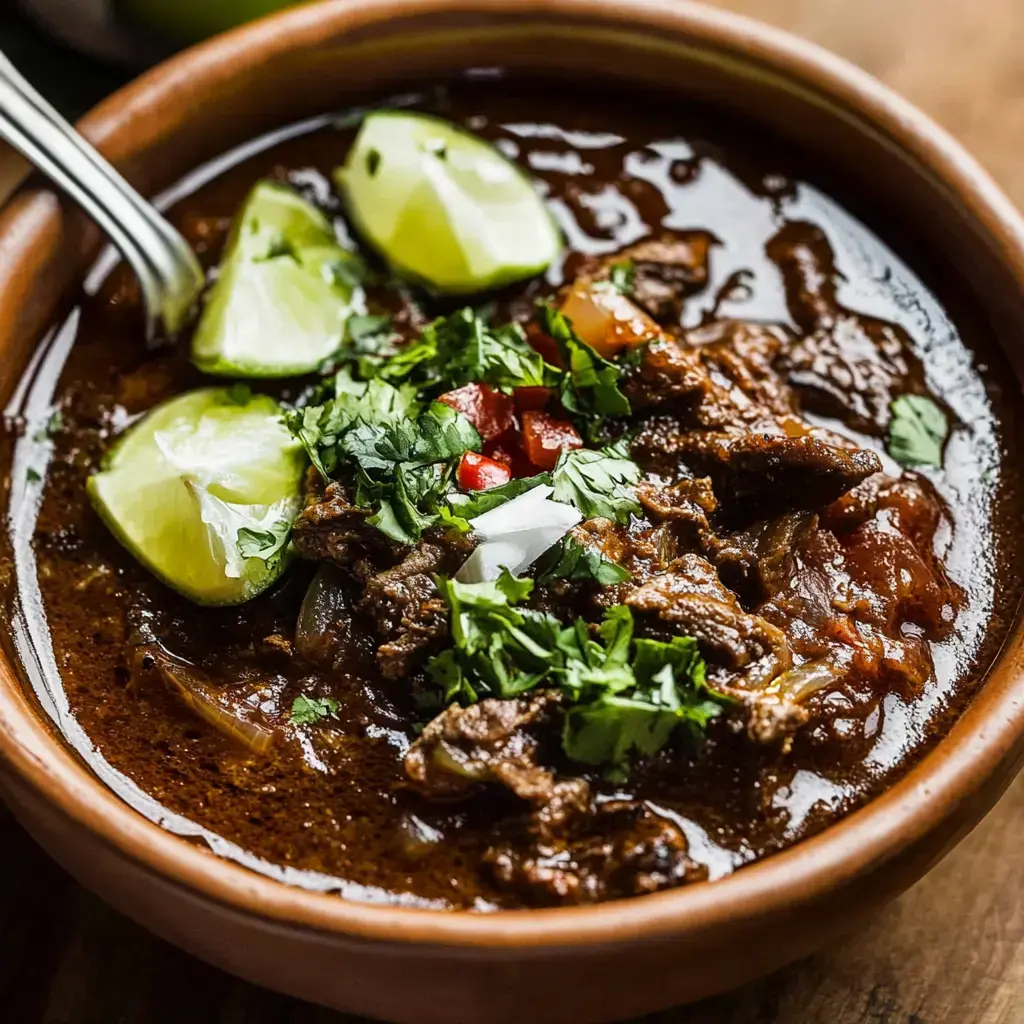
column 188, row 21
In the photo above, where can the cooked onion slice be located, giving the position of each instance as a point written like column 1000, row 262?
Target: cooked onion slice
column 321, row 608
column 514, row 535
column 199, row 694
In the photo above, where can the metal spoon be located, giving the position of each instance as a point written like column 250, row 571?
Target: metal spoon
column 163, row 261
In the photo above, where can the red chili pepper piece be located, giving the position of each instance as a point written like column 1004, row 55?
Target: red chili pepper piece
column 533, row 397
column 490, row 411
column 544, row 438
column 478, row 473
column 508, row 449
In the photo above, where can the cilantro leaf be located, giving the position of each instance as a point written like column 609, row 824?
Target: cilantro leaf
column 621, row 276
column 590, row 385
column 401, row 514
column 266, row 543
column 361, row 327
column 445, row 433
column 576, row 561
column 370, row 341
column 917, row 431
column 670, row 690
column 320, row 426
column 310, row 710
column 463, row 348
column 499, row 649
column 598, row 482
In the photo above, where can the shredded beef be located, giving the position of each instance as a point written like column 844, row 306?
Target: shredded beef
column 489, row 742
column 410, row 615
column 758, row 475
column 331, row 527
column 623, row 848
column 665, row 271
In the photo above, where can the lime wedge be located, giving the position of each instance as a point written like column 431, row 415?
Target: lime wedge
column 285, row 289
column 202, row 492
column 444, row 207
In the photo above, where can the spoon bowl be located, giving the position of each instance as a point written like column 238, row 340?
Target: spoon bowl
column 167, row 269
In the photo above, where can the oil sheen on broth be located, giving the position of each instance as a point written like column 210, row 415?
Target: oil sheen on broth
column 332, row 808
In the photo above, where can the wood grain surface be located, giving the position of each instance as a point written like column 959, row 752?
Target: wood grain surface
column 951, row 951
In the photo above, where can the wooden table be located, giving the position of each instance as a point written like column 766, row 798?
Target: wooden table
column 951, row 951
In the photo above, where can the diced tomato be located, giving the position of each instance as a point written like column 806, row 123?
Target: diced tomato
column 544, row 438
column 605, row 319
column 508, row 449
column 490, row 411
column 533, row 398
column 544, row 344
column 478, row 473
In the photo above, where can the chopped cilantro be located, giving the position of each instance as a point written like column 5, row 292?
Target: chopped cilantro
column 576, row 561
column 464, row 348
column 598, row 482
column 622, row 695
column 310, row 710
column 32, row 475
column 372, row 161
column 439, row 434
column 917, row 431
column 361, row 326
column 320, row 426
column 402, row 457
column 621, row 276
column 265, row 543
column 590, row 385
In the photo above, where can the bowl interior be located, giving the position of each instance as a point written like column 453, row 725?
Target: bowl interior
column 915, row 181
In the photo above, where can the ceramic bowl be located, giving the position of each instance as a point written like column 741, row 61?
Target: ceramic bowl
column 598, row 963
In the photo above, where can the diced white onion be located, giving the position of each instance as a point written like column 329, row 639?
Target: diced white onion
column 514, row 535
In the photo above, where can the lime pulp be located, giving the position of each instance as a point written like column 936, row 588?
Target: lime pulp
column 444, row 207
column 187, row 484
column 284, row 291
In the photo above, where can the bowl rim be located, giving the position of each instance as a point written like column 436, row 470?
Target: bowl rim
column 987, row 735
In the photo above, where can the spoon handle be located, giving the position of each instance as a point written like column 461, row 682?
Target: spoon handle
column 167, row 269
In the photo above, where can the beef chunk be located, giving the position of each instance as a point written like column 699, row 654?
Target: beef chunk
column 758, row 474
column 410, row 615
column 687, row 506
column 848, row 365
column 691, row 598
column 666, row 270
column 331, row 527
column 624, row 848
column 668, row 372
column 493, row 741
column 757, row 561
column 716, row 376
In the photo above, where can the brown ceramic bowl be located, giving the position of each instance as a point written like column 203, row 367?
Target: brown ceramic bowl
column 596, row 963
